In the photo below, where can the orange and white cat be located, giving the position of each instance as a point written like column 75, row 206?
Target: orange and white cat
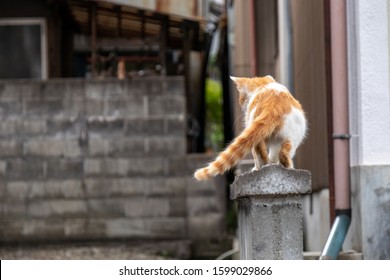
column 275, row 126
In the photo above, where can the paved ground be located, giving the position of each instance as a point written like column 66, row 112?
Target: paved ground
column 98, row 251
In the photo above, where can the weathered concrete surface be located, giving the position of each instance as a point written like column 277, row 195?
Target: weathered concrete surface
column 270, row 212
column 282, row 182
column 101, row 159
column 370, row 225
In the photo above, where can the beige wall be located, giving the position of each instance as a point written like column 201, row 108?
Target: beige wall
column 254, row 47
column 309, row 68
column 310, row 86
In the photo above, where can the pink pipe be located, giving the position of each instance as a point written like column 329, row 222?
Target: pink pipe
column 340, row 104
column 252, row 34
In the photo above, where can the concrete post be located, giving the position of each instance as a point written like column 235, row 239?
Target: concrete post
column 270, row 217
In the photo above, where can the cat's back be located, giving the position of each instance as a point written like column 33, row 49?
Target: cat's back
column 273, row 98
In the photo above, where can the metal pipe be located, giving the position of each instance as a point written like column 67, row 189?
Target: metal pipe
column 329, row 110
column 340, row 104
column 336, row 238
column 340, row 130
column 252, row 38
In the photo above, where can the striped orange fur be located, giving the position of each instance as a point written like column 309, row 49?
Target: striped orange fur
column 275, row 127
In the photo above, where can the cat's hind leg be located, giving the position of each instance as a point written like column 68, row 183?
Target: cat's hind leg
column 260, row 155
column 286, row 153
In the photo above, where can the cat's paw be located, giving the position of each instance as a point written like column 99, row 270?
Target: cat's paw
column 255, row 169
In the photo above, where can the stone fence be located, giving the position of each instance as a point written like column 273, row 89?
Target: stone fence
column 89, row 159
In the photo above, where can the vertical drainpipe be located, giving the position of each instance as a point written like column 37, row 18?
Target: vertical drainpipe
column 341, row 134
column 252, row 34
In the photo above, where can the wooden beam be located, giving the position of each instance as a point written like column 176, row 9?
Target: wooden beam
column 164, row 44
column 92, row 18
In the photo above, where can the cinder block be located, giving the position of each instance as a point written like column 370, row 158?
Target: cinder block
column 57, row 209
column 93, row 167
column 63, row 126
column 52, row 91
column 146, row 167
column 166, row 186
column 3, row 169
column 98, row 146
column 42, row 108
column 112, row 89
column 96, row 228
column 134, row 87
column 24, row 169
column 116, row 167
column 76, row 228
column 177, row 206
column 11, row 127
column 52, row 147
column 10, row 109
column 174, row 86
column 202, row 206
column 166, row 145
column 172, row 227
column 177, row 166
column 13, row 210
column 71, row 147
column 122, row 227
column 17, row 191
column 94, row 107
column 42, row 229
column 116, row 187
column 166, row 105
column 63, row 168
column 147, row 207
column 13, row 91
column 105, row 126
column 176, row 126
column 201, row 188
column 74, row 107
column 106, row 167
column 73, row 89
column 94, row 90
column 106, row 208
column 56, row 189
column 154, row 86
column 32, row 127
column 10, row 148
column 145, row 126
column 130, row 147
column 115, row 107
column 135, row 106
column 3, row 189
column 11, row 230
column 41, row 147
column 209, row 226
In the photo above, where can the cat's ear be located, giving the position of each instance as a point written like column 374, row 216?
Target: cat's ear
column 235, row 79
column 270, row 78
column 240, row 83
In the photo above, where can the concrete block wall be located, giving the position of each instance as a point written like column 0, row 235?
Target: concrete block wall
column 88, row 159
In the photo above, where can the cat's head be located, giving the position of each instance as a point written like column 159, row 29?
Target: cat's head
column 247, row 86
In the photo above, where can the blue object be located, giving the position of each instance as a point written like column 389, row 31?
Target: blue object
column 336, row 238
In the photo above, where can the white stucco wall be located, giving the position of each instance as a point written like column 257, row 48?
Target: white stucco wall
column 368, row 51
column 369, row 81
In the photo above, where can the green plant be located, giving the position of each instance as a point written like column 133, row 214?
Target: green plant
column 214, row 115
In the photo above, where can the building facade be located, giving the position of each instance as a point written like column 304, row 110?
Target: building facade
column 302, row 60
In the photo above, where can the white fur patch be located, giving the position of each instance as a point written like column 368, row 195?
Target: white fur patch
column 276, row 86
column 250, row 115
column 294, row 128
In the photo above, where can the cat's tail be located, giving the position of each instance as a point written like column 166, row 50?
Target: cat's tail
column 258, row 130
